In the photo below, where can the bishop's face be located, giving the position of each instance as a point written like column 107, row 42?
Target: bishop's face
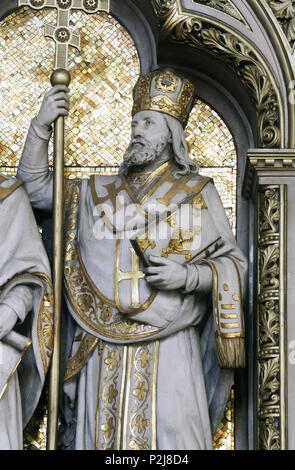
column 150, row 138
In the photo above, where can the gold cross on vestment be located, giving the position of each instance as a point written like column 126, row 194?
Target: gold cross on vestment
column 135, row 275
column 112, row 195
column 61, row 33
column 177, row 185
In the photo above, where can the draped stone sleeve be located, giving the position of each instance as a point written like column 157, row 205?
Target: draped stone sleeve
column 33, row 168
column 229, row 272
column 20, row 301
column 24, row 264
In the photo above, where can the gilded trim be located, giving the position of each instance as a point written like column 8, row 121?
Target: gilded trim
column 15, row 368
column 228, row 316
column 45, row 323
column 45, row 314
column 154, row 398
column 170, row 168
column 128, row 384
column 5, row 192
column 205, row 249
column 177, row 107
column 96, row 433
column 116, row 285
column 240, row 297
column 118, row 328
column 230, row 326
column 89, row 281
column 239, row 326
column 109, row 395
column 157, row 172
column 77, row 362
column 121, row 401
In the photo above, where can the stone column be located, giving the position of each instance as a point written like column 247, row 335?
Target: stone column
column 270, row 183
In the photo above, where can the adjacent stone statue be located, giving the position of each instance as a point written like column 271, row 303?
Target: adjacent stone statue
column 25, row 313
column 154, row 281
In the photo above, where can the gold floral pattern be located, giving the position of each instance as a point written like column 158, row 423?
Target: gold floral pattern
column 108, row 427
column 45, row 321
column 140, row 391
column 111, row 360
column 109, row 396
column 112, row 394
column 142, row 402
column 141, row 424
column 145, row 358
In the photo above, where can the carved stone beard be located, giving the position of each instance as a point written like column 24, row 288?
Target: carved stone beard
column 141, row 152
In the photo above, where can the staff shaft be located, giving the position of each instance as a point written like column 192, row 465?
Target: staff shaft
column 58, row 193
column 58, row 77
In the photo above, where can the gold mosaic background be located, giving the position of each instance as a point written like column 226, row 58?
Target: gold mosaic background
column 104, row 74
column 98, row 128
column 224, row 438
column 212, row 146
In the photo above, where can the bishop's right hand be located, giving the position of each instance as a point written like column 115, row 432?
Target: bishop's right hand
column 55, row 103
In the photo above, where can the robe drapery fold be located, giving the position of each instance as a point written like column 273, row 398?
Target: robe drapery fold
column 26, row 351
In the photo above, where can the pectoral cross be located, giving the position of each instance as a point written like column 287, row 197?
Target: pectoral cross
column 64, row 37
column 61, row 33
column 134, row 276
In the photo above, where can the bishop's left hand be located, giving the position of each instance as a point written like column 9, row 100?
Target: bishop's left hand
column 165, row 274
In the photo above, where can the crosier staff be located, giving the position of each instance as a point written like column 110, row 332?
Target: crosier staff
column 64, row 37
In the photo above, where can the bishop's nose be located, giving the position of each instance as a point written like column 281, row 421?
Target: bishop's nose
column 138, row 131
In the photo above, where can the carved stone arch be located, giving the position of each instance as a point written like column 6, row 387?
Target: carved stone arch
column 139, row 18
column 233, row 43
column 279, row 26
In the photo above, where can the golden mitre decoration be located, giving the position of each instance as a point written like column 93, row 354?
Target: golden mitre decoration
column 164, row 91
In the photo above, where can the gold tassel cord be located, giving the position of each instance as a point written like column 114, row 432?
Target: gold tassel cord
column 230, row 352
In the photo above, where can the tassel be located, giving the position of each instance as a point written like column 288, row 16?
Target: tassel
column 230, row 352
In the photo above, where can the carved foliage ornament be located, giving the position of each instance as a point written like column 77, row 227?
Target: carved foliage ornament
column 225, row 6
column 270, row 387
column 236, row 53
column 284, row 11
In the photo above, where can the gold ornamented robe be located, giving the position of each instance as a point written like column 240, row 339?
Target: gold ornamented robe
column 144, row 370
